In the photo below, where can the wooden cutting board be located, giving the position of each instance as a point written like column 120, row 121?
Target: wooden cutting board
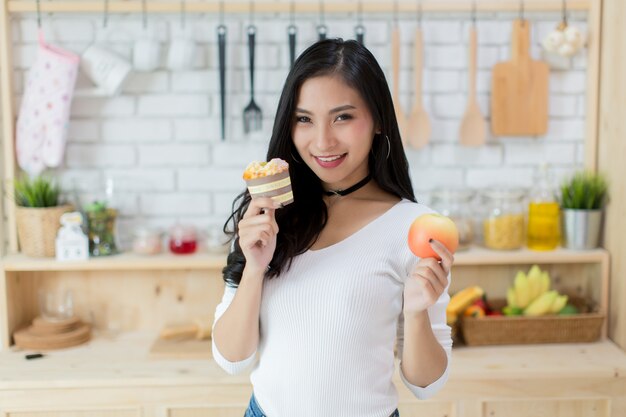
column 519, row 89
column 181, row 349
column 26, row 338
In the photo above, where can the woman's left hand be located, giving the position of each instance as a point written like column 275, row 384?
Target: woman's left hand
column 427, row 281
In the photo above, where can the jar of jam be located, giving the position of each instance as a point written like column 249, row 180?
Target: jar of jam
column 457, row 205
column 147, row 241
column 183, row 239
column 503, row 224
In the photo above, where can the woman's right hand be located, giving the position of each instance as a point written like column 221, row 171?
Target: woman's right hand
column 257, row 233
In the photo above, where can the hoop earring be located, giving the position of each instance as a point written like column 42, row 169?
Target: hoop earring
column 294, row 158
column 388, row 146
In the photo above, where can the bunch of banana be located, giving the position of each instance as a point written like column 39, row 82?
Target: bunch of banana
column 460, row 301
column 531, row 295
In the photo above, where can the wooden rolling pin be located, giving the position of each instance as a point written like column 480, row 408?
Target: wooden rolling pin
column 200, row 329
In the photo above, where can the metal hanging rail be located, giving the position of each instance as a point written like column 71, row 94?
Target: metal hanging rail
column 134, row 6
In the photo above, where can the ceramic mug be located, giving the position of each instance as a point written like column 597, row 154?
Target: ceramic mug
column 146, row 54
column 105, row 69
column 181, row 54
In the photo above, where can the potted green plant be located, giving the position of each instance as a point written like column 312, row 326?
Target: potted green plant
column 583, row 199
column 38, row 214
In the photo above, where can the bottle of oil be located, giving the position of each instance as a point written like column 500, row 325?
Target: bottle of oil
column 544, row 225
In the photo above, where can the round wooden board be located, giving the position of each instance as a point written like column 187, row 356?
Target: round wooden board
column 44, row 326
column 26, row 339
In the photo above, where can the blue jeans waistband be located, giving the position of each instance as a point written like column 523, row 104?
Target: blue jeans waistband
column 255, row 411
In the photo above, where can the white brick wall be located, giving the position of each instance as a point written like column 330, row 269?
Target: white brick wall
column 159, row 140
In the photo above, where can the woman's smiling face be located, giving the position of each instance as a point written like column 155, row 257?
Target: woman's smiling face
column 333, row 131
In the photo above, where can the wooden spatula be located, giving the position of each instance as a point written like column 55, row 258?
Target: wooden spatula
column 418, row 127
column 519, row 89
column 473, row 131
column 395, row 63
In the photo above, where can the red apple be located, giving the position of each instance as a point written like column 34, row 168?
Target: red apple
column 432, row 226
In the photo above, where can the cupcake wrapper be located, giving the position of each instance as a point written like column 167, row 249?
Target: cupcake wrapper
column 277, row 186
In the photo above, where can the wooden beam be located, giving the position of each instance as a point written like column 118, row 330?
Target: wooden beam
column 592, row 106
column 8, row 124
column 20, row 6
column 611, row 151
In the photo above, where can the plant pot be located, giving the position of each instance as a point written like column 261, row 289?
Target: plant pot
column 581, row 228
column 37, row 229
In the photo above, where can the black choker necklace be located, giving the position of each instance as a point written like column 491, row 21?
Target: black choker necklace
column 351, row 189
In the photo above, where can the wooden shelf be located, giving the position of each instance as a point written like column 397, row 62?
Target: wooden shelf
column 129, row 261
column 123, row 360
column 482, row 256
column 124, row 261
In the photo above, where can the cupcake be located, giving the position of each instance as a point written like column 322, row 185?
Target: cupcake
column 269, row 179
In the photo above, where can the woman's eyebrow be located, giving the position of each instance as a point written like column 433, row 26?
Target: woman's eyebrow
column 335, row 110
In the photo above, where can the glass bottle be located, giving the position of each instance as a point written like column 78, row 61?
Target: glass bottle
column 457, row 205
column 503, row 224
column 544, row 225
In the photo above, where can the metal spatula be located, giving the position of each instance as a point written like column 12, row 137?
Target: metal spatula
column 252, row 115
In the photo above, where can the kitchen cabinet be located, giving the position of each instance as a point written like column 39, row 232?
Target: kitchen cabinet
column 129, row 298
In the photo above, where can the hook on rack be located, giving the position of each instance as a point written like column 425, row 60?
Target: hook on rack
column 359, row 29
column 292, row 12
column 521, row 10
column 144, row 13
column 251, row 12
column 395, row 12
column 221, row 12
column 38, row 14
column 474, row 12
column 183, row 10
column 105, row 17
column 419, row 12
column 564, row 11
column 322, row 29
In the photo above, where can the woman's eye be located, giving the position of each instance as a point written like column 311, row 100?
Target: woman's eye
column 344, row 116
column 302, row 119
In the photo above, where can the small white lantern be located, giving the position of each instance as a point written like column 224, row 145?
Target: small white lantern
column 71, row 243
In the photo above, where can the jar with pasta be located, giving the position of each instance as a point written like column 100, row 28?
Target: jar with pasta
column 504, row 221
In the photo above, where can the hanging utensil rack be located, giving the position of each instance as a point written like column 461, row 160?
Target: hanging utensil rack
column 300, row 7
column 9, row 7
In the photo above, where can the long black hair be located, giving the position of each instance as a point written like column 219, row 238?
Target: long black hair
column 302, row 221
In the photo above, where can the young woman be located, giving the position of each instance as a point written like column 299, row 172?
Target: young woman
column 317, row 290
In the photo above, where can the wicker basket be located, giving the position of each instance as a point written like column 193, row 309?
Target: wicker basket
column 505, row 330
column 37, row 229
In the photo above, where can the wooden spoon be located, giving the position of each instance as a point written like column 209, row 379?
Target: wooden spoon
column 473, row 130
column 395, row 63
column 418, row 128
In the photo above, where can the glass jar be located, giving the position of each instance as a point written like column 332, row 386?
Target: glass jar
column 147, row 241
column 457, row 205
column 183, row 239
column 503, row 223
column 101, row 225
column 217, row 241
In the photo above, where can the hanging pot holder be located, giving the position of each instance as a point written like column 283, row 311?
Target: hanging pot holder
column 44, row 114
